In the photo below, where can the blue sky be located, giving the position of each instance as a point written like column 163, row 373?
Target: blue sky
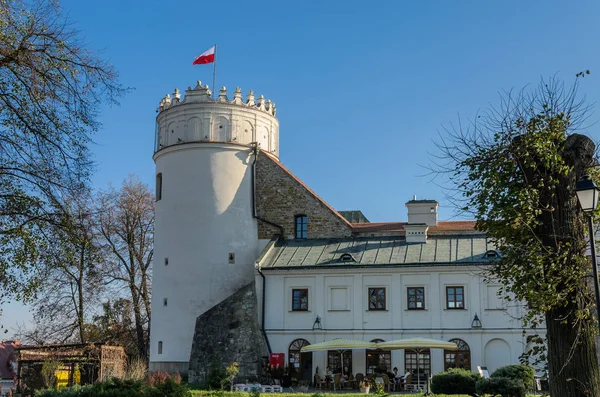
column 362, row 88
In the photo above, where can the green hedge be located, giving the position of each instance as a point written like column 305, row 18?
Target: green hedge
column 121, row 388
column 455, row 381
column 504, row 387
column 517, row 372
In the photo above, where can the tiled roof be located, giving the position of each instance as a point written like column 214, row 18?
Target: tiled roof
column 387, row 227
column 7, row 351
column 376, row 252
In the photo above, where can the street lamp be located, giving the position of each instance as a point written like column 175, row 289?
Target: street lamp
column 587, row 194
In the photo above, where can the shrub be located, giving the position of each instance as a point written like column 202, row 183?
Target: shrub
column 504, row 387
column 136, row 369
column 215, row 377
column 519, row 372
column 169, row 386
column 455, row 381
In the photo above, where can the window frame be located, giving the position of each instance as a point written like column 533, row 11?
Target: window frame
column 384, row 308
column 300, row 227
column 159, row 185
column 448, row 287
column 453, row 357
column 299, row 308
column 408, row 295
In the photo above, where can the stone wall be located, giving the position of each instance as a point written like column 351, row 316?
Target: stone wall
column 280, row 196
column 229, row 332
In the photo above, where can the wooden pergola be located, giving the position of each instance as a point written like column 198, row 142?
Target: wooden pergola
column 93, row 362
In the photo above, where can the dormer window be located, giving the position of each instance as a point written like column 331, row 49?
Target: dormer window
column 347, row 258
column 301, row 226
column 491, row 254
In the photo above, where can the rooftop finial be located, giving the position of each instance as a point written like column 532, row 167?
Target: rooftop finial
column 237, row 96
column 250, row 98
column 261, row 103
column 222, row 95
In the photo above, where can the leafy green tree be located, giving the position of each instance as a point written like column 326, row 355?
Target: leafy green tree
column 514, row 169
column 51, row 89
column 71, row 262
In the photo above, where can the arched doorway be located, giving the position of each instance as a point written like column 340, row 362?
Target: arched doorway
column 300, row 363
column 460, row 358
column 379, row 361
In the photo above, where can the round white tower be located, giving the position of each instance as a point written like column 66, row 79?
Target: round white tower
column 206, row 238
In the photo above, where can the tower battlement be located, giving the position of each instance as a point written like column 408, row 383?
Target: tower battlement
column 197, row 117
column 201, row 93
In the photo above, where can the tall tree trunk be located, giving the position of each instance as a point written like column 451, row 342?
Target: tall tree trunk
column 80, row 319
column 572, row 360
column 139, row 326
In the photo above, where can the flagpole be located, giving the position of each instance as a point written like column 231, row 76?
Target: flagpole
column 215, row 71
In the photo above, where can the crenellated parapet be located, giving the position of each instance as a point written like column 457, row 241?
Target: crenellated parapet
column 201, row 93
column 198, row 117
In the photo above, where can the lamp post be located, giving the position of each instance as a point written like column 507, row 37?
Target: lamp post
column 587, row 194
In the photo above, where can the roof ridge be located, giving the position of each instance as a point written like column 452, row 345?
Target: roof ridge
column 299, row 181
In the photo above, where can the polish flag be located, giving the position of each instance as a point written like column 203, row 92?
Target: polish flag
column 207, row 56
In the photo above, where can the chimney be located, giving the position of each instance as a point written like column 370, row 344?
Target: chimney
column 422, row 211
column 421, row 215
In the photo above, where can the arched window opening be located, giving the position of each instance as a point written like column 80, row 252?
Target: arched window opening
column 460, row 358
column 300, row 364
column 301, row 226
column 379, row 361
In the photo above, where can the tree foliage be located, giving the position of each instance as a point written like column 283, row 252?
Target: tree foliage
column 71, row 263
column 127, row 228
column 514, row 168
column 51, row 90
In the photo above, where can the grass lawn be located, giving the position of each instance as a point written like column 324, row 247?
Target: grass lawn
column 206, row 393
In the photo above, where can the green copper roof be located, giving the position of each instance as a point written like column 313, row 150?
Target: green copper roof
column 377, row 252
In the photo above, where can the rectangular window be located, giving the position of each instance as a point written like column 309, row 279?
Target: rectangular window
column 158, row 186
column 455, row 297
column 377, row 298
column 339, row 298
column 416, row 298
column 160, row 347
column 300, row 300
column 340, row 362
column 423, row 365
column 301, row 226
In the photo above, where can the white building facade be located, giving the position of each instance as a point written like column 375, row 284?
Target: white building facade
column 389, row 290
column 229, row 215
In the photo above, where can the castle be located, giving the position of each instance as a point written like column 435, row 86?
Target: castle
column 249, row 260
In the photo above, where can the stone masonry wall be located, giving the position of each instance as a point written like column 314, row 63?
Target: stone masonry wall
column 229, row 332
column 280, row 196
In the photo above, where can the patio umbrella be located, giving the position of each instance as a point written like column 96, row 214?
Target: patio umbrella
column 418, row 345
column 340, row 345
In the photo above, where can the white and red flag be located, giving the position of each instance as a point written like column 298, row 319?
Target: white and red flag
column 207, row 56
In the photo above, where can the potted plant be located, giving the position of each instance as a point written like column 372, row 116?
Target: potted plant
column 365, row 386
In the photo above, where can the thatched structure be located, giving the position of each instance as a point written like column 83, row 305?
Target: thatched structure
column 72, row 364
